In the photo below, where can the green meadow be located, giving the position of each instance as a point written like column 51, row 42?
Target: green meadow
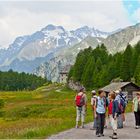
column 39, row 113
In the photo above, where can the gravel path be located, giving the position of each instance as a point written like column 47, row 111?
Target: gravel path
column 128, row 132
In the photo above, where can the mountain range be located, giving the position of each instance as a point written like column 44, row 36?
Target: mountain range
column 47, row 51
column 27, row 52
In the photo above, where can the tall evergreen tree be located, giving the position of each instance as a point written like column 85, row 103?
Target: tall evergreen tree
column 88, row 73
column 126, row 64
column 104, row 77
column 80, row 63
column 135, row 56
column 137, row 72
column 99, row 64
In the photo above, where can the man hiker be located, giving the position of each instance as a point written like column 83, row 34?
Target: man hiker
column 136, row 110
column 100, row 110
column 81, row 105
column 93, row 101
column 121, row 107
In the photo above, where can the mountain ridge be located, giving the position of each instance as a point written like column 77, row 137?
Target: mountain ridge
column 115, row 43
column 49, row 39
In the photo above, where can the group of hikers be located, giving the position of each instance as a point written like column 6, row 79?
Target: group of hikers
column 112, row 107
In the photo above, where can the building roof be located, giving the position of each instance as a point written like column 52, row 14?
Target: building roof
column 116, row 86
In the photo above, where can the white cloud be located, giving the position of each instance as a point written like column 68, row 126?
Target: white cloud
column 27, row 17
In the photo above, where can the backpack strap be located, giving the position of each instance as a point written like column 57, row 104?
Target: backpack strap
column 122, row 97
column 96, row 101
column 104, row 100
column 82, row 95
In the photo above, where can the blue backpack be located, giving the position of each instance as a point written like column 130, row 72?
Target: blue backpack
column 122, row 104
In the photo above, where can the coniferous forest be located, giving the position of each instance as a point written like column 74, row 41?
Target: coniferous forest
column 97, row 68
column 13, row 81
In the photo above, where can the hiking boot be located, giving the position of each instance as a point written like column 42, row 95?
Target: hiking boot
column 114, row 136
column 82, row 126
column 124, row 123
column 105, row 126
column 76, row 126
column 102, row 135
column 137, row 127
column 98, row 135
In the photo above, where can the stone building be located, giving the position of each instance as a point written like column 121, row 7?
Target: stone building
column 63, row 75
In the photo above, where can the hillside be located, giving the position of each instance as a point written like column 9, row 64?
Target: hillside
column 95, row 68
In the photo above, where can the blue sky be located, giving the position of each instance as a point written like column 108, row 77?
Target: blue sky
column 18, row 18
column 131, row 7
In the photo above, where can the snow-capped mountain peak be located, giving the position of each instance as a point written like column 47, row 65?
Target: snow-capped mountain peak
column 51, row 29
column 48, row 40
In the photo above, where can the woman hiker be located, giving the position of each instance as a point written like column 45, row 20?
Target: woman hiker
column 93, row 101
column 81, row 106
column 100, row 110
column 113, row 113
column 136, row 110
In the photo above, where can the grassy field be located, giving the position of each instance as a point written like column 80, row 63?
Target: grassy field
column 39, row 113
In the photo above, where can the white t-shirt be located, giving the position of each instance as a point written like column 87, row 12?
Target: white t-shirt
column 93, row 100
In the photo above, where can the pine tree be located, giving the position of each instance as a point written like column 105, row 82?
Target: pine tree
column 135, row 56
column 104, row 77
column 70, row 75
column 80, row 63
column 88, row 73
column 125, row 72
column 103, row 54
column 137, row 72
column 95, row 78
column 97, row 73
column 99, row 64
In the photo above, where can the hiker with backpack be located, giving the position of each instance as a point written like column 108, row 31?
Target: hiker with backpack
column 121, row 107
column 113, row 113
column 100, row 110
column 125, row 102
column 136, row 110
column 81, row 106
column 93, row 101
column 125, row 105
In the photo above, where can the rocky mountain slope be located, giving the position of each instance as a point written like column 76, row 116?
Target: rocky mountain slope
column 115, row 42
column 28, row 52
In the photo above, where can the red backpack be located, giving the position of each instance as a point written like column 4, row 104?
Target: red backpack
column 80, row 100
